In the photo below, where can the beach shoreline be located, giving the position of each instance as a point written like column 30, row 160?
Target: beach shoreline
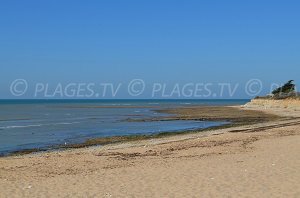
column 231, row 116
column 258, row 159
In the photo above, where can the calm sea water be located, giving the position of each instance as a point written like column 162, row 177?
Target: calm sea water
column 27, row 124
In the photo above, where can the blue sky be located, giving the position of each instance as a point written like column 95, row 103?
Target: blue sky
column 157, row 41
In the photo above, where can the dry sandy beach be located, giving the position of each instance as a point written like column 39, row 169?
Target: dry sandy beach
column 257, row 160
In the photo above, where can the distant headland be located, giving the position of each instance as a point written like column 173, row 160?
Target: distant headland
column 285, row 96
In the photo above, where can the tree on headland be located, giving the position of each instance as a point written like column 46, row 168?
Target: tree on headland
column 286, row 89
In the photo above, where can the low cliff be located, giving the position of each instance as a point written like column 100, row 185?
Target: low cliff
column 270, row 103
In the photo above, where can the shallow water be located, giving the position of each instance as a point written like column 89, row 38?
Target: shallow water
column 27, row 124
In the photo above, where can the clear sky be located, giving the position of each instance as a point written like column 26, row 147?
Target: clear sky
column 157, row 41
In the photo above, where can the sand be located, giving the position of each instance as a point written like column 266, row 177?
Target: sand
column 257, row 160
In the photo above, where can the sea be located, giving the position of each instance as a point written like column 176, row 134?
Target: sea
column 44, row 124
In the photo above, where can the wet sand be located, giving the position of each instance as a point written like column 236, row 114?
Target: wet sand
column 255, row 159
